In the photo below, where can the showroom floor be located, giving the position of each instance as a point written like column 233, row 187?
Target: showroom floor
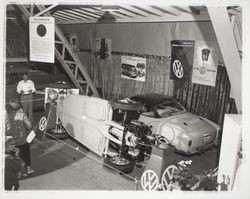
column 68, row 165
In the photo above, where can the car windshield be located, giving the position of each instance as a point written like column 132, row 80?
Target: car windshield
column 164, row 109
column 141, row 66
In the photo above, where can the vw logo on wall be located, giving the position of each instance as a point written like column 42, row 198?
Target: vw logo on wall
column 178, row 69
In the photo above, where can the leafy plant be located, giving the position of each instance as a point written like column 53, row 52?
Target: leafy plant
column 183, row 175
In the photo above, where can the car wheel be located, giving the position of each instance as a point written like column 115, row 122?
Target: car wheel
column 121, row 164
column 126, row 106
column 57, row 133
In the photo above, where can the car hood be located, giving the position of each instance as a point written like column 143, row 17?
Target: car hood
column 192, row 123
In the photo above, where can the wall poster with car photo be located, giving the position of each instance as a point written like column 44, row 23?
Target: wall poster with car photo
column 133, row 68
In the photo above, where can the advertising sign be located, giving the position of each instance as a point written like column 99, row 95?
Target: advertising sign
column 182, row 54
column 205, row 63
column 133, row 68
column 42, row 39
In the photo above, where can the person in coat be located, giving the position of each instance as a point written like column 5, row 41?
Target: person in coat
column 20, row 127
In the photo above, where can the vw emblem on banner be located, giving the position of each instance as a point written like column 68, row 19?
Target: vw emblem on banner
column 178, row 69
column 149, row 180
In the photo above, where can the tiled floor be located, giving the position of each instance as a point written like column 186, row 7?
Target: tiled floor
column 67, row 165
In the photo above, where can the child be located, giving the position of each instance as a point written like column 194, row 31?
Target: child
column 20, row 126
column 12, row 168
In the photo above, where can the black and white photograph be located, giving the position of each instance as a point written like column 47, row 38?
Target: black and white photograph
column 133, row 68
column 124, row 99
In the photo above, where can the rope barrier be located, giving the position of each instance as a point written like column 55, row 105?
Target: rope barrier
column 91, row 157
column 34, row 100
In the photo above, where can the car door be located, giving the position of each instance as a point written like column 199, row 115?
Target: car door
column 94, row 112
column 83, row 118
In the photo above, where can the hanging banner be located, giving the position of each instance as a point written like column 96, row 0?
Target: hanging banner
column 182, row 54
column 102, row 48
column 205, row 63
column 42, row 39
column 133, row 68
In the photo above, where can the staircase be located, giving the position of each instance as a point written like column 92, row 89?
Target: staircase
column 66, row 56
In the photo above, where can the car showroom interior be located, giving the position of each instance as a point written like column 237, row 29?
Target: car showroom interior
column 123, row 97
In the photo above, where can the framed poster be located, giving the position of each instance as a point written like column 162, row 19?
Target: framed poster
column 133, row 68
column 42, row 39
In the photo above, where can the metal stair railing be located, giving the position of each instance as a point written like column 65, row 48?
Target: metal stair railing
column 67, row 58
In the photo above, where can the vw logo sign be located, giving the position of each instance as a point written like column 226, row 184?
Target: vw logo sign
column 149, row 181
column 178, row 69
column 42, row 124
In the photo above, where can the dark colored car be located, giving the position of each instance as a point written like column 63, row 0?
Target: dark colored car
column 129, row 70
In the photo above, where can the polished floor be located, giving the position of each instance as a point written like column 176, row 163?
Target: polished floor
column 68, row 165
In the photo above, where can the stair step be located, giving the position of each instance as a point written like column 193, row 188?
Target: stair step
column 82, row 82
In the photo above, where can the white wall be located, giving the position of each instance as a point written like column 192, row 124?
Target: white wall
column 145, row 38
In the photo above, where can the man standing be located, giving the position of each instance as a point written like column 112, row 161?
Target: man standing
column 26, row 89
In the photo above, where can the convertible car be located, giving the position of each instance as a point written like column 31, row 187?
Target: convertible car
column 189, row 133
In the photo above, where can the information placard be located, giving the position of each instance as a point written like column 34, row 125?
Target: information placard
column 42, row 39
column 205, row 63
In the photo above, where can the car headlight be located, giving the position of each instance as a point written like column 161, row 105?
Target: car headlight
column 168, row 132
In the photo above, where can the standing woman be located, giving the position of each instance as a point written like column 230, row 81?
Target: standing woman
column 26, row 88
column 20, row 126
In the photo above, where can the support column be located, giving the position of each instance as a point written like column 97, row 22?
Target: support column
column 225, row 37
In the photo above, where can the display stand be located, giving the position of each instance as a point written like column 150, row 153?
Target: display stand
column 51, row 117
column 160, row 159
